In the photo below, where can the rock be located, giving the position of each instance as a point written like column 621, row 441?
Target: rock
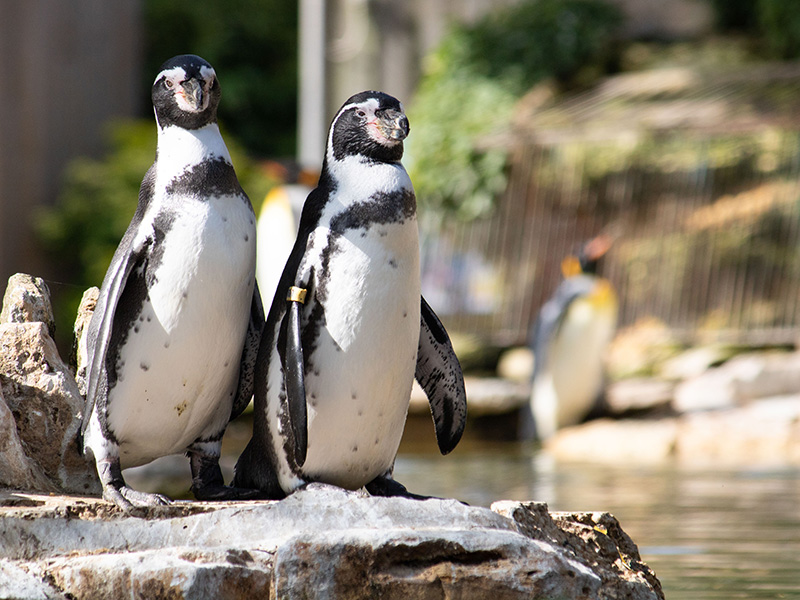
column 625, row 442
column 639, row 394
column 516, row 364
column 27, row 300
column 695, row 361
column 18, row 584
column 80, row 354
column 16, row 468
column 41, row 410
column 321, row 542
column 742, row 379
column 764, row 433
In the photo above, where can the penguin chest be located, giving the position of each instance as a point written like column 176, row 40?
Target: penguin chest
column 576, row 364
column 177, row 363
column 359, row 375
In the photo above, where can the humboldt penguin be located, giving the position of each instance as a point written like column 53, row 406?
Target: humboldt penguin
column 174, row 336
column 349, row 330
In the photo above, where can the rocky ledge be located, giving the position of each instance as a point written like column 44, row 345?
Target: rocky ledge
column 58, row 541
column 321, row 542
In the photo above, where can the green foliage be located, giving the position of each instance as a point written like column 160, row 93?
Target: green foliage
column 98, row 199
column 774, row 24
column 472, row 82
column 779, row 24
column 253, row 47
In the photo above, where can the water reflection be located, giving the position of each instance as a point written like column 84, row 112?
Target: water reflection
column 707, row 534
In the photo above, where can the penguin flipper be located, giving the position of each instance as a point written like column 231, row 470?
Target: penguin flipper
column 439, row 374
column 247, row 368
column 294, row 377
column 101, row 325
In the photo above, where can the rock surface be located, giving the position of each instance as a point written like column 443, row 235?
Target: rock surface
column 321, row 542
column 41, row 404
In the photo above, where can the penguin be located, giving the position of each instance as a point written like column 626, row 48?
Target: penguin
column 175, row 332
column 348, row 329
column 277, row 226
column 569, row 341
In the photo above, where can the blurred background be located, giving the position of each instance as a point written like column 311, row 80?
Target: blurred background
column 668, row 127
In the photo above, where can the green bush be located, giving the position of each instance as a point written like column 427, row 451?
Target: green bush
column 472, row 82
column 253, row 47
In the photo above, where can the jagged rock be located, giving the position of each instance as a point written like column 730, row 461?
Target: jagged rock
column 27, row 300
column 638, row 395
column 742, row 379
column 322, row 542
column 78, row 360
column 41, row 399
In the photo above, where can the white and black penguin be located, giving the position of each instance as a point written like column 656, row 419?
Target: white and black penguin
column 173, row 339
column 348, row 330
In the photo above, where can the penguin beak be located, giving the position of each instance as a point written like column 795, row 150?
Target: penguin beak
column 394, row 125
column 193, row 92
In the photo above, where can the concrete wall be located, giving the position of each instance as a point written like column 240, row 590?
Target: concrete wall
column 66, row 68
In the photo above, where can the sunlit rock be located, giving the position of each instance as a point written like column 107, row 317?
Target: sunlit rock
column 323, row 542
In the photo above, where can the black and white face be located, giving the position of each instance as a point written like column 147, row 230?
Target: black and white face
column 370, row 124
column 186, row 92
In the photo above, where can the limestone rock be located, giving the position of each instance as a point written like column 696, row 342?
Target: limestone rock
column 639, row 394
column 41, row 410
column 322, row 542
column 27, row 300
column 742, row 379
column 78, row 360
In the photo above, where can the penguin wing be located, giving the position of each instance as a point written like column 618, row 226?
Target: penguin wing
column 252, row 339
column 439, row 374
column 125, row 260
column 291, row 353
column 128, row 254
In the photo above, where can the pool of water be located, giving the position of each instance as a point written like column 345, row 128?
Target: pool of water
column 708, row 534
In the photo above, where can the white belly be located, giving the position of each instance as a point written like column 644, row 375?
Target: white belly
column 181, row 361
column 565, row 392
column 359, row 381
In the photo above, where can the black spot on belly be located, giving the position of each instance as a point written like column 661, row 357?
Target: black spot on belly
column 393, row 263
column 212, row 177
column 380, row 209
column 246, row 238
column 144, row 366
column 354, row 449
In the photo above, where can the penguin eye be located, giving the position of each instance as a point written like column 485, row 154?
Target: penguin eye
column 361, row 113
column 169, row 83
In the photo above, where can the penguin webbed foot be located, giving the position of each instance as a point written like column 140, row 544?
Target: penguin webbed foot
column 132, row 501
column 117, row 491
column 385, row 486
column 220, row 492
column 208, row 483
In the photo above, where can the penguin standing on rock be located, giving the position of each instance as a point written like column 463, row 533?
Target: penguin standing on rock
column 348, row 330
column 569, row 341
column 174, row 336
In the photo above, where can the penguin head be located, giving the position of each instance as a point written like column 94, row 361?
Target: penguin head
column 372, row 125
column 592, row 251
column 186, row 93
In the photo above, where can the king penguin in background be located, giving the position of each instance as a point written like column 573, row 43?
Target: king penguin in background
column 174, row 336
column 348, row 330
column 569, row 341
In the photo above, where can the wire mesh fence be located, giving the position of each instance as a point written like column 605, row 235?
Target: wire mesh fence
column 696, row 176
